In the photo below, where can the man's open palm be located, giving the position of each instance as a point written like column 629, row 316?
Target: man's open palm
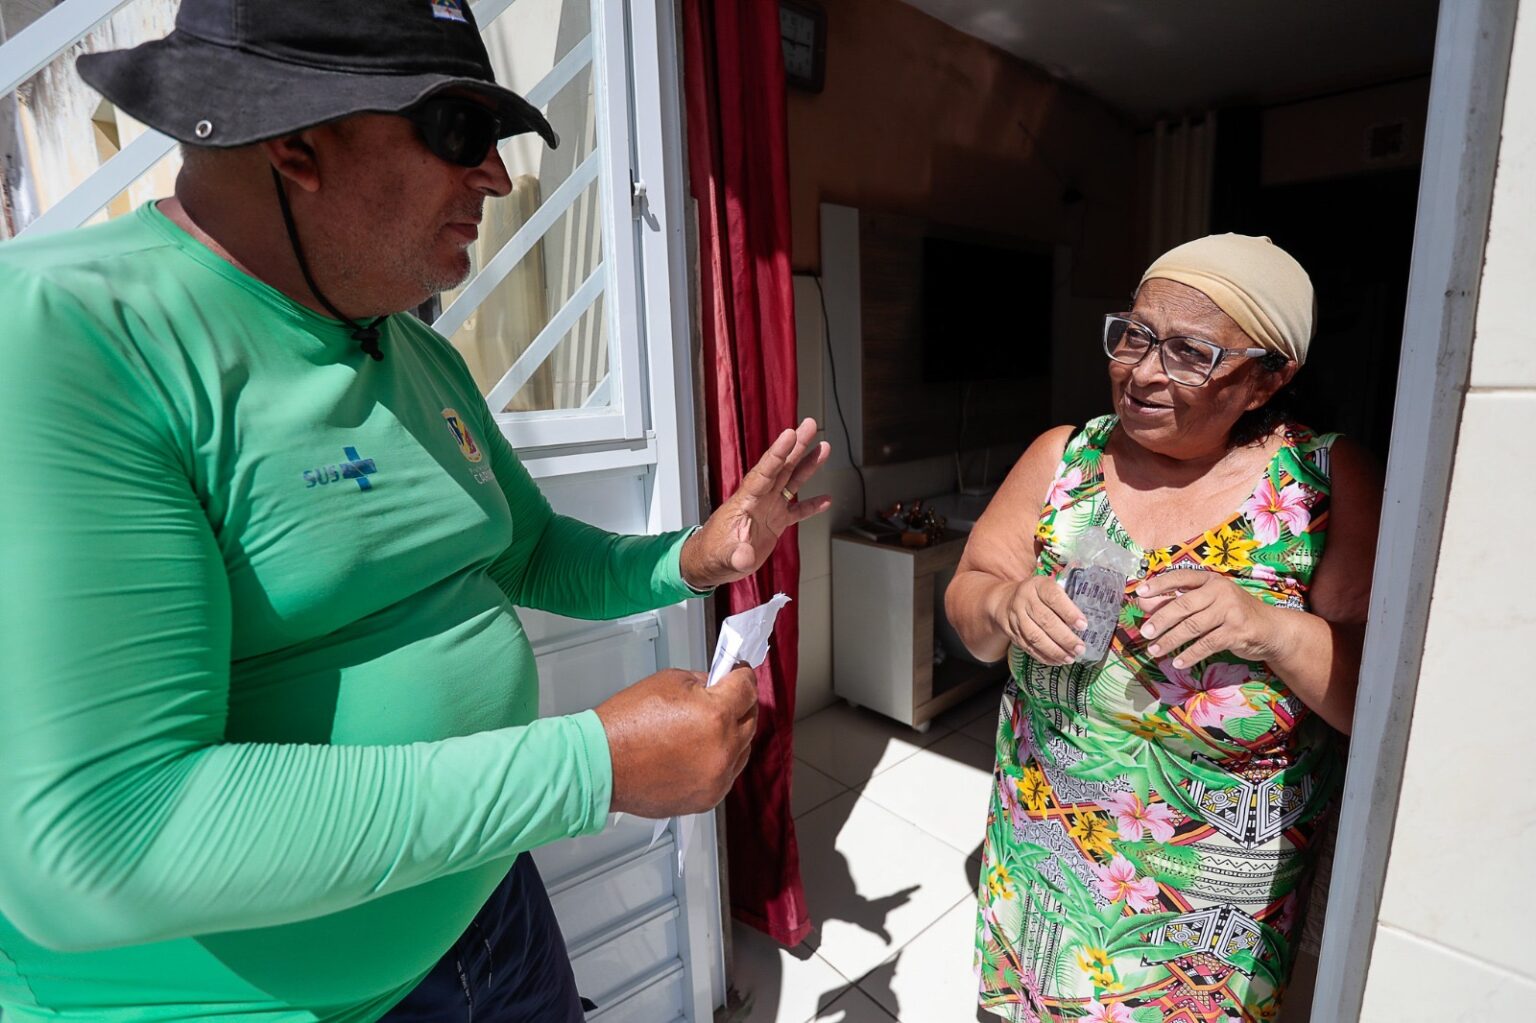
column 742, row 532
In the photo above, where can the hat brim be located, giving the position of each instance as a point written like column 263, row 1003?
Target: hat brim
column 177, row 83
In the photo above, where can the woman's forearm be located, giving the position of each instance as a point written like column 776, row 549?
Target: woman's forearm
column 973, row 602
column 1319, row 661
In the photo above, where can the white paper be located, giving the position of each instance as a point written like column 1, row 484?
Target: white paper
column 743, row 639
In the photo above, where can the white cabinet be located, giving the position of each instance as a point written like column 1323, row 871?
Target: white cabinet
column 886, row 600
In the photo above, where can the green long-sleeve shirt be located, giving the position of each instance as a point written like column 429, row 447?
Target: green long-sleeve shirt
column 268, row 729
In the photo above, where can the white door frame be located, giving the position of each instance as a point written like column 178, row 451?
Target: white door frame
column 662, row 215
column 1461, row 147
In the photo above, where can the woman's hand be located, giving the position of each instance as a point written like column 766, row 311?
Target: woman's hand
column 1001, row 556
column 1197, row 614
column 1039, row 618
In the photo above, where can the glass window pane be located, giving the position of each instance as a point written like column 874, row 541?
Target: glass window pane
column 63, row 129
column 542, row 283
column 575, row 375
column 527, row 45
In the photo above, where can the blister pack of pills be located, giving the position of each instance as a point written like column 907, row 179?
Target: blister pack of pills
column 1095, row 579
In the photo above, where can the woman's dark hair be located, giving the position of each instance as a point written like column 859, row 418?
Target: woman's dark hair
column 1284, row 407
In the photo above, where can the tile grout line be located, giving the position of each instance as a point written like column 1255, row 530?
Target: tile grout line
column 1457, row 953
column 970, row 895
column 878, row 773
column 818, row 806
column 901, row 948
column 937, row 838
column 841, row 789
column 850, row 985
column 985, row 744
column 901, row 817
column 816, row 1016
column 971, row 860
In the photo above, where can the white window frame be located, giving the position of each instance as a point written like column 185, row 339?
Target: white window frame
column 662, row 220
column 624, row 418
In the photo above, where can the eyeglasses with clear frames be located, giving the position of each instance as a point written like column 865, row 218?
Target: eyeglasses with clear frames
column 1186, row 360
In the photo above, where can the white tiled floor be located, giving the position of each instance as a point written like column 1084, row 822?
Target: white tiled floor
column 890, row 825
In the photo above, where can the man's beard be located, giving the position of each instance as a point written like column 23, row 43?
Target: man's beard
column 412, row 264
column 438, row 281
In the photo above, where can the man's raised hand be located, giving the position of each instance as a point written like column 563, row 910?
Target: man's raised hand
column 743, row 531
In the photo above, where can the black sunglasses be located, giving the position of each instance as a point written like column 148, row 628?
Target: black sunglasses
column 458, row 130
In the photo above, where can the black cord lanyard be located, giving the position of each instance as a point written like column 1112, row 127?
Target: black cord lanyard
column 366, row 335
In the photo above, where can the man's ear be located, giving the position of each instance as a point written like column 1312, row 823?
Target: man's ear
column 293, row 156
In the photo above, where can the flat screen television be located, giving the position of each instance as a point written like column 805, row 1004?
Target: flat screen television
column 986, row 311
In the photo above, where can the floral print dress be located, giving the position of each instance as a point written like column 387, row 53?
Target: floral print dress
column 1150, row 827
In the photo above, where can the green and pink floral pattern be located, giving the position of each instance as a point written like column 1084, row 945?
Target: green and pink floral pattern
column 1151, row 826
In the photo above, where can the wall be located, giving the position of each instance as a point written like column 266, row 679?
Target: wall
column 1327, row 137
column 1452, row 941
column 884, row 485
column 63, row 130
column 921, row 120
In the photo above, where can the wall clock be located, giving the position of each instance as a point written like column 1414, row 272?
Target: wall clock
column 803, row 33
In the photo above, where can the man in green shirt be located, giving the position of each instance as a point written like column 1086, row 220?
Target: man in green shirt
column 269, row 743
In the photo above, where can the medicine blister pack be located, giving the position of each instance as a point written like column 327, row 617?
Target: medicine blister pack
column 1095, row 578
column 1098, row 593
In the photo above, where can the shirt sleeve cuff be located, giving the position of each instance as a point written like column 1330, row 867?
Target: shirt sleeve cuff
column 670, row 571
column 598, row 761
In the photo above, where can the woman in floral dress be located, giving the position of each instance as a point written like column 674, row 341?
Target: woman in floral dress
column 1154, row 813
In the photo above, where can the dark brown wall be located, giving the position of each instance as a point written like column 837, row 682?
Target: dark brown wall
column 920, row 119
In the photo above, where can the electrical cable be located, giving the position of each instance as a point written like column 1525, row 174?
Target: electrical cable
column 826, row 333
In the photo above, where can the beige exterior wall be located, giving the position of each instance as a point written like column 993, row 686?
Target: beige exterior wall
column 65, row 131
column 1453, row 941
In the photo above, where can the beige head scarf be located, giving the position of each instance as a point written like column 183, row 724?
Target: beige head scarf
column 1252, row 280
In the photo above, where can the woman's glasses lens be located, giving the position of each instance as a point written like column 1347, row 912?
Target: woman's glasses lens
column 1124, row 341
column 1188, row 361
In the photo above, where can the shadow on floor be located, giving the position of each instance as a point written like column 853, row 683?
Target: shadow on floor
column 872, row 996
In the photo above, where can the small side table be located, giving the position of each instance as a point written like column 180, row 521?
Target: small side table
column 884, row 599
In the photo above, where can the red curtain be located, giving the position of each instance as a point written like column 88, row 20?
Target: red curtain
column 738, row 163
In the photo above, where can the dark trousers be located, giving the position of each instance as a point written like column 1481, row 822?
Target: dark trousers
column 510, row 965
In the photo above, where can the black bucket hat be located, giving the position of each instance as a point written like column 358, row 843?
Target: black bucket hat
column 233, row 72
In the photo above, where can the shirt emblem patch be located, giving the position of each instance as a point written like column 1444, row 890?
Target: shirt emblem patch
column 448, row 10
column 461, row 435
